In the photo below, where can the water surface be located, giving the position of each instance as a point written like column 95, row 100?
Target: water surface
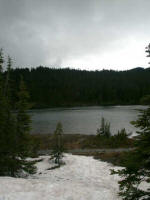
column 84, row 120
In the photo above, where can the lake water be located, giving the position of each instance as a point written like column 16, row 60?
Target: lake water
column 84, row 120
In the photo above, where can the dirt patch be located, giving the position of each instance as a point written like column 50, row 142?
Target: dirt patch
column 78, row 141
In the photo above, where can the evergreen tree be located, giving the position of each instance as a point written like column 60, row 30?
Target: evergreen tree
column 104, row 129
column 7, row 125
column 145, row 100
column 101, row 130
column 58, row 147
column 10, row 126
column 2, row 117
column 14, row 129
column 23, row 131
column 137, row 164
column 148, row 50
column 2, row 101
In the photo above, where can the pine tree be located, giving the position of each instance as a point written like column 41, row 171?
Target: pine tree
column 14, row 128
column 104, row 129
column 58, row 147
column 137, row 164
column 2, row 117
column 7, row 124
column 148, row 50
column 2, row 101
column 23, row 131
column 10, row 125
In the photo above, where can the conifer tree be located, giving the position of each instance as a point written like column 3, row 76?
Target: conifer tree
column 23, row 131
column 10, row 125
column 148, row 50
column 104, row 129
column 137, row 164
column 14, row 129
column 58, row 147
column 2, row 117
column 2, row 101
column 7, row 124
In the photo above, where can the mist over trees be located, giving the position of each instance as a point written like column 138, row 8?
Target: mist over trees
column 49, row 87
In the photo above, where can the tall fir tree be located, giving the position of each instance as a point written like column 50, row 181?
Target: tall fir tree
column 7, row 124
column 2, row 116
column 14, row 128
column 24, row 143
column 137, row 164
column 58, row 146
column 10, row 125
column 104, row 129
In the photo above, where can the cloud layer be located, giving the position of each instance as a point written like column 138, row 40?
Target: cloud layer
column 91, row 34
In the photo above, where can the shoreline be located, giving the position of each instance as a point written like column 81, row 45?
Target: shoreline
column 82, row 106
column 74, row 142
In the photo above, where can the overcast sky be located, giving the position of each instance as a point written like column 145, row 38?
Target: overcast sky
column 85, row 34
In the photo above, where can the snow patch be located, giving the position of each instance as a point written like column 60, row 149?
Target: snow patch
column 81, row 178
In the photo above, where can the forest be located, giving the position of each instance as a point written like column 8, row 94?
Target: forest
column 56, row 87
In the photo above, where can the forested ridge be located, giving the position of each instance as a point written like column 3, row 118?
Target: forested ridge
column 52, row 87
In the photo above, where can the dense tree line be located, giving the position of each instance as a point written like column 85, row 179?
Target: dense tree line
column 49, row 87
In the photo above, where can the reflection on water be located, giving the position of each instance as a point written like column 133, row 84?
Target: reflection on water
column 84, row 120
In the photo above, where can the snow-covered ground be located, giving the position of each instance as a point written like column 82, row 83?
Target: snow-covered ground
column 82, row 178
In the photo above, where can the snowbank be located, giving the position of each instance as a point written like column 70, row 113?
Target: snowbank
column 82, row 178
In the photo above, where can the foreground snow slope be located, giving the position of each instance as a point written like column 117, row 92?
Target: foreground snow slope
column 82, row 178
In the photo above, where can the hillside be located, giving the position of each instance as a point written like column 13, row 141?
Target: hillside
column 51, row 87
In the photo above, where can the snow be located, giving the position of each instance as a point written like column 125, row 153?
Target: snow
column 81, row 178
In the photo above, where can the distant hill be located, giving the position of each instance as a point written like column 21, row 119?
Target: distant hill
column 137, row 69
column 50, row 87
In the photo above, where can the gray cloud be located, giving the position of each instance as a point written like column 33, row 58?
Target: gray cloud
column 61, row 32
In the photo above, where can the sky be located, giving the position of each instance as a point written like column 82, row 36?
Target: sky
column 81, row 34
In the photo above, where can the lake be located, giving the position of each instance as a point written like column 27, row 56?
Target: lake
column 84, row 120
